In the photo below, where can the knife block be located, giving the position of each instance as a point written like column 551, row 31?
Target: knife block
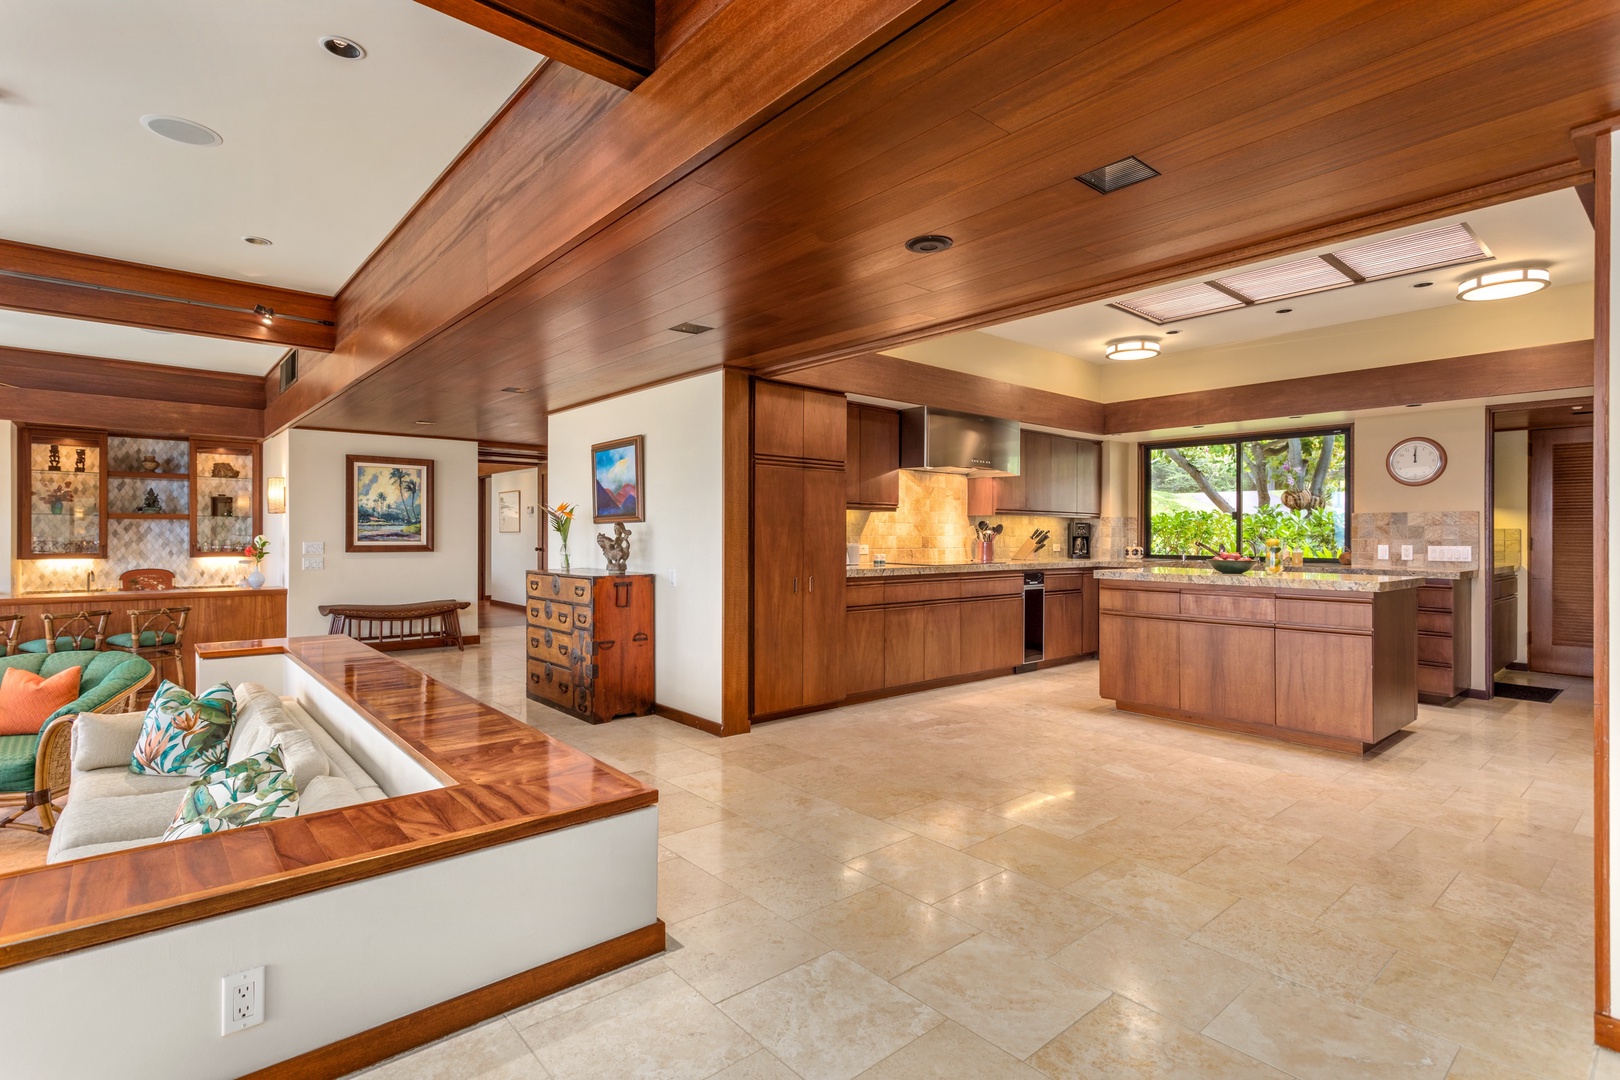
column 1025, row 552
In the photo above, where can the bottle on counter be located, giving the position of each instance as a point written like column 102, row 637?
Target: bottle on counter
column 1275, row 556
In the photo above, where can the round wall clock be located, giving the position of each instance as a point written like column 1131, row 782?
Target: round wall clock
column 1416, row 461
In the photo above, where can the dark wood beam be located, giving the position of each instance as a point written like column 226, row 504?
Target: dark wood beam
column 894, row 379
column 1565, row 366
column 610, row 39
column 29, row 369
column 108, row 412
column 65, row 283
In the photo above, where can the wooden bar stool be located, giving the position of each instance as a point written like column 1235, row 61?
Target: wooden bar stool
column 156, row 634
column 71, row 631
column 147, row 579
column 9, row 625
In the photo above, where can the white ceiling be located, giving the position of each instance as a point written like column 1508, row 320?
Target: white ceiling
column 1549, row 230
column 321, row 155
column 22, row 330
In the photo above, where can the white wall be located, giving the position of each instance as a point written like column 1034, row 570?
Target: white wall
column 275, row 458
column 680, row 540
column 512, row 555
column 316, row 475
column 1612, row 360
column 8, row 503
column 1511, row 484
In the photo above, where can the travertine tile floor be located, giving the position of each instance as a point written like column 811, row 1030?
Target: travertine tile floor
column 1011, row 879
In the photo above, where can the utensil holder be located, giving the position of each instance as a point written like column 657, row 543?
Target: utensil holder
column 987, row 551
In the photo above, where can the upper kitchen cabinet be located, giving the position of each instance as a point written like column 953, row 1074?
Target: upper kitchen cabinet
column 804, row 425
column 1061, row 476
column 872, row 458
column 61, row 494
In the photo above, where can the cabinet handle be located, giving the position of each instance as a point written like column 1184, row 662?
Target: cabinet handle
column 795, row 584
column 812, row 583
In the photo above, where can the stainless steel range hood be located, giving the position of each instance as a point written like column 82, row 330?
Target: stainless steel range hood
column 939, row 440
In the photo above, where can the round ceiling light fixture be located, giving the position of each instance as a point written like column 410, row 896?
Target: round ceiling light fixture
column 1132, row 349
column 343, row 47
column 180, row 130
column 1501, row 284
column 257, row 241
column 927, row 245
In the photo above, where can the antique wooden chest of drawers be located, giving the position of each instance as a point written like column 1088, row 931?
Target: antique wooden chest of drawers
column 590, row 643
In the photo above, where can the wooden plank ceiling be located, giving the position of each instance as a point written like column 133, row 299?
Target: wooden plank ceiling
column 1274, row 126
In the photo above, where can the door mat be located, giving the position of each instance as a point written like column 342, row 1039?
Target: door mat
column 1525, row 693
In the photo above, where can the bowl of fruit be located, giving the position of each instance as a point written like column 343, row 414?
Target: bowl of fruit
column 1231, row 562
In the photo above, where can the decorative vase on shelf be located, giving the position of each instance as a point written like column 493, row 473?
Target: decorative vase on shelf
column 566, row 565
column 255, row 579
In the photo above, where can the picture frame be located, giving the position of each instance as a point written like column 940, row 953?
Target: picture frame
column 388, row 503
column 618, row 475
column 509, row 511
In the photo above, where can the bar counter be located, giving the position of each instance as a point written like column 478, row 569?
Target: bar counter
column 1329, row 660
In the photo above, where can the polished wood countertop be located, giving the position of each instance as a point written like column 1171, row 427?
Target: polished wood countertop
column 506, row 781
column 158, row 596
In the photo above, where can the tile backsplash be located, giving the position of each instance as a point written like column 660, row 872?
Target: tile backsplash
column 1451, row 528
column 932, row 526
column 132, row 545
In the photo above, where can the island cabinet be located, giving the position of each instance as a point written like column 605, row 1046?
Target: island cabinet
column 1445, row 661
column 1071, row 614
column 872, row 458
column 798, row 549
column 1058, row 475
column 1336, row 669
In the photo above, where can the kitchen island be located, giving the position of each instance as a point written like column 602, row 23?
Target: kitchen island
column 1326, row 659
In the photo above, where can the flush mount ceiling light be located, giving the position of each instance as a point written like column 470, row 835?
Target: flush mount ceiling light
column 1501, row 284
column 177, row 129
column 1122, row 173
column 927, row 245
column 343, row 47
column 257, row 241
column 1132, row 349
column 691, row 328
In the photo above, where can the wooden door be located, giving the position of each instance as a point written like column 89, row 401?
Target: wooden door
column 1065, row 494
column 823, row 574
column 1561, row 551
column 778, row 588
column 992, row 634
column 1036, row 452
column 880, row 456
column 1065, row 624
column 779, row 420
column 1141, row 661
column 863, row 650
column 1088, row 500
column 922, row 643
column 1229, row 671
column 1325, row 683
column 824, row 423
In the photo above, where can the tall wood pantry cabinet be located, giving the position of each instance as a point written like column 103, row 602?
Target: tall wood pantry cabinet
column 799, row 490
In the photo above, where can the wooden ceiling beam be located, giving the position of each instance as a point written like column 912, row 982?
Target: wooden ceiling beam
column 75, row 286
column 610, row 39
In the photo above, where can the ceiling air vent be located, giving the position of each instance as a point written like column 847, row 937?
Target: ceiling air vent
column 1122, row 173
column 1449, row 245
column 1288, row 279
column 1183, row 303
column 288, row 370
column 691, row 328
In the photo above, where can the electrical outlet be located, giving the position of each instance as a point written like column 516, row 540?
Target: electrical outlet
column 242, row 1000
column 672, row 577
column 866, row 549
column 1406, row 552
column 314, row 564
column 314, row 547
column 1383, row 552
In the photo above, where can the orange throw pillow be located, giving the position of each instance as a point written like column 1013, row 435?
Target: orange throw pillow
column 27, row 699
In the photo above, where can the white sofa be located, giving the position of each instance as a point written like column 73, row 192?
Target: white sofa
column 110, row 808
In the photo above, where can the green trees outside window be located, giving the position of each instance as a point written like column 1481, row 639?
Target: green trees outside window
column 1236, row 494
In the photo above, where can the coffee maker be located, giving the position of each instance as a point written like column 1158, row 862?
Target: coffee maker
column 1079, row 539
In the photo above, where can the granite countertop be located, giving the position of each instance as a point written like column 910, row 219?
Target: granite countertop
column 896, row 570
column 1259, row 579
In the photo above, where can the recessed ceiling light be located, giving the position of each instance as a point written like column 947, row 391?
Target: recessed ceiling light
column 180, row 130
column 1198, row 427
column 1301, row 416
column 343, row 47
column 257, row 241
column 1501, row 284
column 514, row 389
column 1122, row 173
column 1132, row 349
column 1422, row 284
column 691, row 328
column 1172, row 331
column 1415, row 405
column 1284, row 310
column 426, row 423
column 927, row 245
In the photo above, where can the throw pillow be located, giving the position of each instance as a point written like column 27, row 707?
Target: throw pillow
column 27, row 700
column 254, row 790
column 185, row 734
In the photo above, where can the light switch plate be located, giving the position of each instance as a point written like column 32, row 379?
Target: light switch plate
column 314, row 547
column 314, row 564
column 1406, row 551
column 1450, row 553
column 1383, row 551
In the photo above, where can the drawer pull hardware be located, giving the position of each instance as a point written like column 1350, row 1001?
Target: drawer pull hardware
column 640, row 637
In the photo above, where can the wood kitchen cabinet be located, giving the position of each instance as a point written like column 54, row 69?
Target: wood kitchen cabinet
column 992, row 635
column 1071, row 614
column 922, row 643
column 799, row 572
column 1059, row 475
column 1504, row 618
column 864, row 650
column 872, row 458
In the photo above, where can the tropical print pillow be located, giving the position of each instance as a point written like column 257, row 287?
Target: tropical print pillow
column 256, row 789
column 185, row 734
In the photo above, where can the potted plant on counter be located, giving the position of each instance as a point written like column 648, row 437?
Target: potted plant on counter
column 256, row 550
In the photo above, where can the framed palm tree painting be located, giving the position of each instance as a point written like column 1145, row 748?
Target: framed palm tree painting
column 390, row 504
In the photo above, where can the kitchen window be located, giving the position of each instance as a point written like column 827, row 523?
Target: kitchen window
column 1235, row 494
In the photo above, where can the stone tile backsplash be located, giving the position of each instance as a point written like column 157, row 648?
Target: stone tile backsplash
column 1420, row 528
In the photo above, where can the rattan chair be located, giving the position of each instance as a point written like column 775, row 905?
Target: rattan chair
column 9, row 625
column 71, row 631
column 157, row 635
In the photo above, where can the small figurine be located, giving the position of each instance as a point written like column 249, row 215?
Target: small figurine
column 616, row 548
column 56, row 458
column 78, row 460
column 150, row 504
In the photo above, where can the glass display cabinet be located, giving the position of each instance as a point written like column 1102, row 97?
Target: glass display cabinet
column 225, row 497
column 62, row 493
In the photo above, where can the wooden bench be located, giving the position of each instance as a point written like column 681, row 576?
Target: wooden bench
column 432, row 624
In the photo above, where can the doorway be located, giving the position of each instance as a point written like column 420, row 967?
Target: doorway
column 510, row 535
column 1541, row 559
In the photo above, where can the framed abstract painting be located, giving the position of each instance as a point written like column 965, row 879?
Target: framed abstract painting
column 509, row 511
column 390, row 504
column 616, row 475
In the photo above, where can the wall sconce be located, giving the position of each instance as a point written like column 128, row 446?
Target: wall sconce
column 275, row 494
